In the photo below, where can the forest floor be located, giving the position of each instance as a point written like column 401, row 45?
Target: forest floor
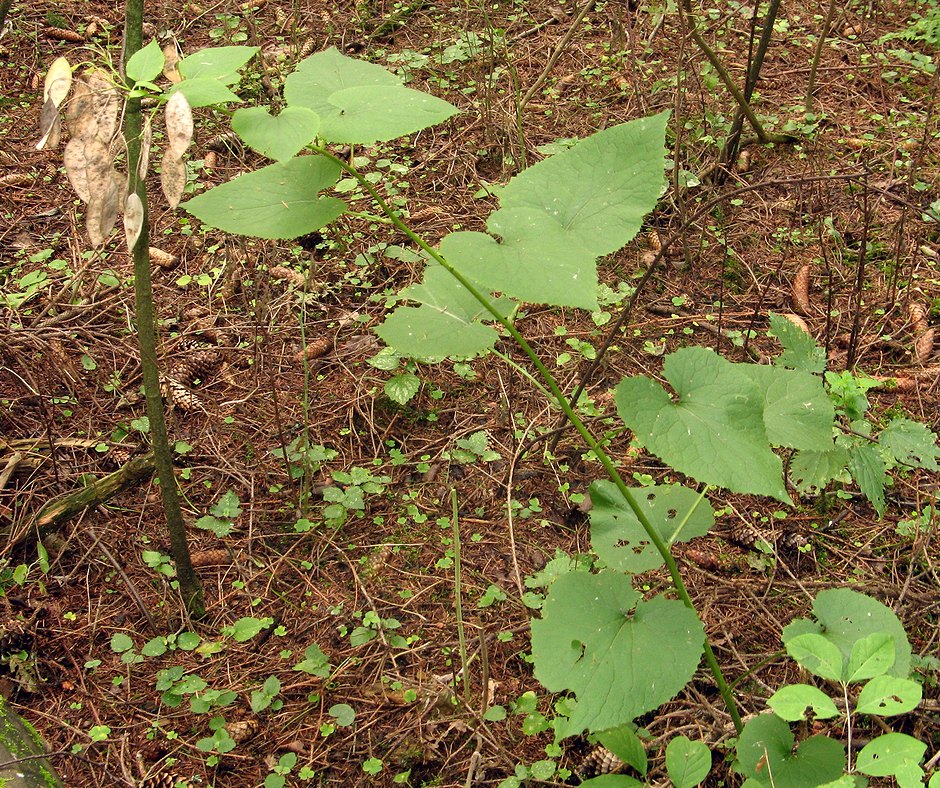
column 366, row 608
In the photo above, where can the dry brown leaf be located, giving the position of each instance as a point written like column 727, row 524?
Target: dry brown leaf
column 163, row 259
column 171, row 57
column 16, row 179
column 917, row 314
column 103, row 208
column 87, row 165
column 173, row 177
column 146, row 140
column 179, row 124
column 133, row 220
column 800, row 291
column 923, row 346
column 798, row 321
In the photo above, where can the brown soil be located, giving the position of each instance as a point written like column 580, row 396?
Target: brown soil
column 70, row 379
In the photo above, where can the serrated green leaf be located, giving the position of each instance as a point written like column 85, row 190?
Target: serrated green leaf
column 228, row 506
column 800, row 350
column 360, row 102
column 594, row 638
column 767, row 757
column 818, row 655
column 402, row 388
column 217, row 63
column 277, row 201
column 844, row 617
column 868, row 469
column 813, row 470
column 871, row 656
column 560, row 215
column 888, row 695
column 278, row 137
column 791, row 702
column 146, row 63
column 617, row 536
column 889, row 754
column 798, row 413
column 713, row 430
column 687, row 762
column 910, row 442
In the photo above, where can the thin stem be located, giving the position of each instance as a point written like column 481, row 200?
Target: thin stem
column 145, row 313
column 817, row 55
column 575, row 420
column 458, row 599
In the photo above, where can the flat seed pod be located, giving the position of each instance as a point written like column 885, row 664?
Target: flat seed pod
column 103, row 208
column 50, row 125
column 87, row 164
column 923, row 346
column 800, row 293
column 179, row 124
column 173, row 177
column 58, row 81
column 133, row 220
column 146, row 141
column 95, row 107
column 171, row 57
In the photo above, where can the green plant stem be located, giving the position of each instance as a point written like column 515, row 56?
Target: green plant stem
column 458, row 598
column 145, row 313
column 565, row 405
column 525, row 373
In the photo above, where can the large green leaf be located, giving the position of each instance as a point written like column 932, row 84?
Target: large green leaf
column 766, row 756
column 621, row 655
column 560, row 215
column 713, row 431
column 844, row 617
column 360, row 102
column 813, row 470
column 218, row 63
column 867, row 467
column 617, row 536
column 277, row 137
column 798, row 413
column 203, row 92
column 277, row 201
column 800, row 350
column 911, row 442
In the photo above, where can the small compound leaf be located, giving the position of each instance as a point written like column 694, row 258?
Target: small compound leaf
column 868, row 469
column 819, row 656
column 687, row 762
column 888, row 695
column 58, row 81
column 88, row 165
column 871, row 656
column 203, row 92
column 617, row 536
column 844, row 617
column 713, row 431
column 179, row 124
column 277, row 201
column 766, row 755
column 172, row 177
column 219, row 64
column 146, row 140
column 595, row 639
column 103, row 208
column 890, row 754
column 145, row 64
column 133, row 220
column 791, row 702
column 279, row 137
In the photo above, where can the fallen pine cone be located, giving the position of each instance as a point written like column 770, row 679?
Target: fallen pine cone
column 316, row 349
column 923, row 346
column 798, row 321
column 59, row 34
column 800, row 291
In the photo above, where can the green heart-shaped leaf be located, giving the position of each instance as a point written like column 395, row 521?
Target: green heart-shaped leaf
column 279, row 137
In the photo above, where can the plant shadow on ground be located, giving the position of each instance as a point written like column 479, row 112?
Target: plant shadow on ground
column 336, row 642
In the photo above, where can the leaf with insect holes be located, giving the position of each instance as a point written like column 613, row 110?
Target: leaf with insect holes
column 617, row 536
column 133, row 220
column 172, row 177
column 179, row 124
column 360, row 102
column 145, row 64
column 910, row 442
column 594, row 639
column 87, row 164
column 277, row 201
column 893, row 754
column 277, row 137
column 766, row 756
column 713, row 430
column 103, row 208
